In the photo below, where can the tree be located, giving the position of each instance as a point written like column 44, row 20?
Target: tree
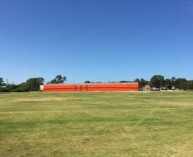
column 157, row 81
column 137, row 80
column 34, row 83
column 142, row 82
column 87, row 82
column 12, row 87
column 23, row 87
column 58, row 79
column 168, row 83
column 186, row 85
column 1, row 81
column 124, row 81
column 179, row 81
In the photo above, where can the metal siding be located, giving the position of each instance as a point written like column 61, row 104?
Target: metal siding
column 92, row 87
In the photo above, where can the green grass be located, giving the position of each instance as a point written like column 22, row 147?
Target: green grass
column 158, row 124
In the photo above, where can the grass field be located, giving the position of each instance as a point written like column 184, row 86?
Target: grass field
column 158, row 124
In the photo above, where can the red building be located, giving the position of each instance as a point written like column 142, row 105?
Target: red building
column 91, row 87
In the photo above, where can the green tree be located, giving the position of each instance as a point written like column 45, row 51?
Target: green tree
column 168, row 83
column 142, row 82
column 124, row 81
column 137, row 80
column 23, row 87
column 1, row 81
column 87, row 81
column 34, row 83
column 59, row 79
column 179, row 81
column 12, row 87
column 157, row 81
column 188, row 85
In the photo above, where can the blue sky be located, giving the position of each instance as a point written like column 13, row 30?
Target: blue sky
column 97, row 40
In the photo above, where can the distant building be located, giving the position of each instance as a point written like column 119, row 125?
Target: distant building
column 89, row 87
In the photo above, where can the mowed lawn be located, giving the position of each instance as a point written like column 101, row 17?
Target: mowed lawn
column 158, row 124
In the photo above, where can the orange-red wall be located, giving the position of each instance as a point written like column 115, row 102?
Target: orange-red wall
column 91, row 87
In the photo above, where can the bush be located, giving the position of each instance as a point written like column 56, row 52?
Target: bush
column 2, row 89
column 186, row 85
column 22, row 88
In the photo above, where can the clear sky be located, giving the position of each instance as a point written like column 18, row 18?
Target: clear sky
column 97, row 40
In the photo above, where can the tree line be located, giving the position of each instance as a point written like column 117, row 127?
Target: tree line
column 32, row 84
column 157, row 82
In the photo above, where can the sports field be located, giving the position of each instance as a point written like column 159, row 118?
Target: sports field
column 158, row 124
